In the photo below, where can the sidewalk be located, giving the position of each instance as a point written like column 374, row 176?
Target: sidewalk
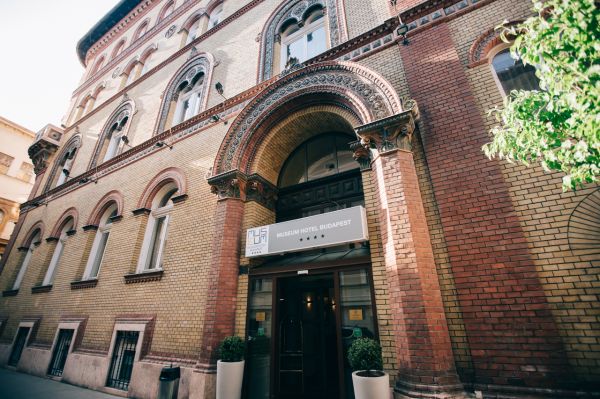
column 15, row 385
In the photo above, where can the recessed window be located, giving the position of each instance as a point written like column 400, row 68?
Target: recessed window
column 155, row 238
column 123, row 357
column 118, row 48
column 193, row 32
column 215, row 16
column 141, row 31
column 189, row 99
column 60, row 353
column 58, row 252
column 300, row 42
column 512, row 74
column 64, row 167
column 320, row 157
column 34, row 242
column 94, row 262
column 5, row 162
column 166, row 11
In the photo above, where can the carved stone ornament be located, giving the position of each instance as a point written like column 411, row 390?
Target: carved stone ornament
column 40, row 152
column 361, row 154
column 393, row 132
column 171, row 31
column 235, row 184
column 116, row 72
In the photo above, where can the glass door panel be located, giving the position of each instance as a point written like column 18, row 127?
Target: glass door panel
column 259, row 338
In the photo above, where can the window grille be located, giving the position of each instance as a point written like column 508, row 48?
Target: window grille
column 61, row 351
column 123, row 356
column 15, row 355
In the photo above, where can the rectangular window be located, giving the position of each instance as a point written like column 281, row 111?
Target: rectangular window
column 123, row 356
column 5, row 162
column 158, row 242
column 25, row 172
column 61, row 351
column 18, row 346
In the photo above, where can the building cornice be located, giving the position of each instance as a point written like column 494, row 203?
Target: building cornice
column 17, row 127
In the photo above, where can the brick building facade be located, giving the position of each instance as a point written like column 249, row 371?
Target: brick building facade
column 197, row 120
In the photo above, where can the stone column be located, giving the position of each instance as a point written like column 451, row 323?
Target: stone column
column 423, row 347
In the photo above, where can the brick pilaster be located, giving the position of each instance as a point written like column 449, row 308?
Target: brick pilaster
column 219, row 310
column 423, row 347
column 510, row 329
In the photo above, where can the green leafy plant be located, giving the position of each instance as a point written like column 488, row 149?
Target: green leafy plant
column 559, row 125
column 365, row 354
column 232, row 349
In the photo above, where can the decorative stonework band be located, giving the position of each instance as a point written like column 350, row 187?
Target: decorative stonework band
column 235, row 184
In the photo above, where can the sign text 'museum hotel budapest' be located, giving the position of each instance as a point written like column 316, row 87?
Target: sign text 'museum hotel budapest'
column 325, row 230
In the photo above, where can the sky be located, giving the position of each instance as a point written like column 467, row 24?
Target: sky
column 39, row 67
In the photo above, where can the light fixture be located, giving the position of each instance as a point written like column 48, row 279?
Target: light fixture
column 402, row 31
column 160, row 144
column 220, row 89
column 125, row 139
column 215, row 118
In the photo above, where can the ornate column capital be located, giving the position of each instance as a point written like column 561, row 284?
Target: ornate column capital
column 361, row 154
column 230, row 184
column 392, row 132
column 262, row 191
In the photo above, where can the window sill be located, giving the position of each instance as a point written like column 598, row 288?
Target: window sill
column 153, row 275
column 10, row 292
column 41, row 288
column 81, row 284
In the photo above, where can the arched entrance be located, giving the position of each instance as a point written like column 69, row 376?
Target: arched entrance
column 264, row 292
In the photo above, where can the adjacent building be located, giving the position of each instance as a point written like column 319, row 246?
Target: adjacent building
column 299, row 173
column 16, row 175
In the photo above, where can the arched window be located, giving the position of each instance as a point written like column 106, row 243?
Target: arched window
column 166, row 11
column 99, row 246
column 193, row 31
column 130, row 73
column 141, row 31
column 34, row 242
column 118, row 48
column 186, row 94
column 110, row 140
column 64, row 162
column 215, row 16
column 323, row 156
column 304, row 40
column 189, row 98
column 97, row 66
column 155, row 237
column 307, row 27
column 58, row 251
column 512, row 74
column 146, row 59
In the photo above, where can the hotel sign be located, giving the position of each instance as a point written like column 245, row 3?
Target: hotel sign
column 319, row 231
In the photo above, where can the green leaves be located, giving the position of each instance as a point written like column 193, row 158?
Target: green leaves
column 558, row 127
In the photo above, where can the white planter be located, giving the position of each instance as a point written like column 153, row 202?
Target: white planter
column 371, row 387
column 229, row 379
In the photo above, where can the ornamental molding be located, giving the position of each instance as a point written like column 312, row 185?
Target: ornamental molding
column 238, row 185
column 369, row 94
column 481, row 47
column 295, row 11
column 200, row 63
column 387, row 134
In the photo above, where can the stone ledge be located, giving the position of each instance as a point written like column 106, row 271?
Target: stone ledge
column 10, row 292
column 41, row 288
column 143, row 277
column 81, row 284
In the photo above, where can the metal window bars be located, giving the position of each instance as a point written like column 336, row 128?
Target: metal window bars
column 61, row 351
column 123, row 356
column 18, row 346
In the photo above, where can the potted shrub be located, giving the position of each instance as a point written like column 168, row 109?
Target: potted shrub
column 365, row 359
column 230, row 368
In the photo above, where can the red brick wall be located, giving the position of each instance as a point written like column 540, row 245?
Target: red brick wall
column 512, row 335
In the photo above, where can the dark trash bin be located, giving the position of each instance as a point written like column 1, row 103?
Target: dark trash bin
column 168, row 383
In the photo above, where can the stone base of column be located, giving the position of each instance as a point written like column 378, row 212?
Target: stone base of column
column 441, row 386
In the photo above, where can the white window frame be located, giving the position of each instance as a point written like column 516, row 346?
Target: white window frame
column 147, row 247
column 303, row 32
column 193, row 32
column 57, row 254
column 104, row 228
column 215, row 16
column 113, row 145
column 182, row 114
column 21, row 274
column 493, row 53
